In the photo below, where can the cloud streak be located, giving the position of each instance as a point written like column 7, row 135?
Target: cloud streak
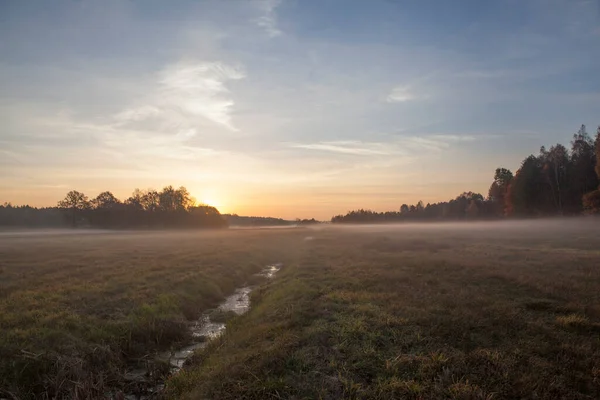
column 399, row 146
column 345, row 147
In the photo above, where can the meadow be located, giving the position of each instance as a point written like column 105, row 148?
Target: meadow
column 464, row 311
column 77, row 307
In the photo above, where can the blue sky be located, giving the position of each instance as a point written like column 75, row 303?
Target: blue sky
column 288, row 108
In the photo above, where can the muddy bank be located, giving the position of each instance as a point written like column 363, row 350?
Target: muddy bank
column 147, row 381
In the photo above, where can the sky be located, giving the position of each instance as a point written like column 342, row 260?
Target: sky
column 288, row 108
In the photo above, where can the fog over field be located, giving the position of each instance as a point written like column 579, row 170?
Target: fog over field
column 541, row 226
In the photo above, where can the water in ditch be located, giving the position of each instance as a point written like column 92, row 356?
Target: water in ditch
column 202, row 331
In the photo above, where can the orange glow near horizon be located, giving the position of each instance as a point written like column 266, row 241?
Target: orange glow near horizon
column 286, row 203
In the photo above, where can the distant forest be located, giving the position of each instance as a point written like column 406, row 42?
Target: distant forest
column 242, row 221
column 235, row 220
column 168, row 208
column 556, row 182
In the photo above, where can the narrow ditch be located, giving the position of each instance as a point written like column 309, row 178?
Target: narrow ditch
column 203, row 330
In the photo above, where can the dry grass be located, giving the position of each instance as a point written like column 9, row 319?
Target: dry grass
column 461, row 312
column 481, row 311
column 75, row 308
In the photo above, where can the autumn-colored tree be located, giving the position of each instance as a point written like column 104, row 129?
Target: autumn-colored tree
column 597, row 149
column 591, row 200
column 582, row 177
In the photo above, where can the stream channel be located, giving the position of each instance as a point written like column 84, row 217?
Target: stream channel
column 203, row 330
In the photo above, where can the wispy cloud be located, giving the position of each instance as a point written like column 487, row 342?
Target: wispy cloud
column 268, row 20
column 345, row 147
column 436, row 142
column 399, row 146
column 400, row 94
column 425, row 143
column 185, row 91
column 453, row 138
column 199, row 89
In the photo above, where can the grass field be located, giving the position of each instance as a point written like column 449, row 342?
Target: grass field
column 466, row 311
column 74, row 308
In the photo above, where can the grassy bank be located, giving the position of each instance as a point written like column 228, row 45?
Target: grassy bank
column 495, row 311
column 75, row 308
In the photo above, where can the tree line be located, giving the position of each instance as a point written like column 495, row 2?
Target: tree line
column 235, row 220
column 168, row 208
column 556, row 182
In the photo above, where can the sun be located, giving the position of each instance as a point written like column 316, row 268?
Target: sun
column 209, row 202
column 211, row 197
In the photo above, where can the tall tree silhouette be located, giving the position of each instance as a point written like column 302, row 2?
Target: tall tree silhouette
column 75, row 203
column 555, row 164
column 106, row 210
column 169, row 208
column 499, row 189
column 526, row 190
